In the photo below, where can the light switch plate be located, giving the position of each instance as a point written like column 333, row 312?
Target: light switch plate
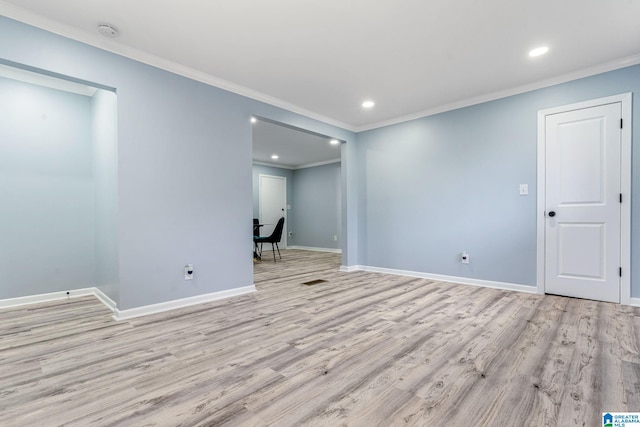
column 524, row 189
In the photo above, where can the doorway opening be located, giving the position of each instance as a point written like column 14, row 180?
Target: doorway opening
column 297, row 175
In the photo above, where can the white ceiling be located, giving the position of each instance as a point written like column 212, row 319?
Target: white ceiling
column 323, row 58
column 296, row 148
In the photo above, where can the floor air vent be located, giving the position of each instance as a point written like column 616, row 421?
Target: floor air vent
column 314, row 282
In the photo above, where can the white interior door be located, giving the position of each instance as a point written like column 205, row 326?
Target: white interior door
column 582, row 187
column 272, row 204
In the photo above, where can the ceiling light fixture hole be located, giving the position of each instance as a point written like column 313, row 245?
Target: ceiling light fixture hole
column 541, row 50
column 108, row 30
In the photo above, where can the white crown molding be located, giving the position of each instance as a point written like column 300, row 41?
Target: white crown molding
column 443, row 278
column 113, row 46
column 586, row 72
column 273, row 165
column 313, row 165
column 180, row 303
column 293, row 168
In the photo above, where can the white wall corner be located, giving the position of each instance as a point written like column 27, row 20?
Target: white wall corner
column 180, row 303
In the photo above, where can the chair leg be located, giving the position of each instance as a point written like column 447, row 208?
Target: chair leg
column 274, row 252
column 278, row 247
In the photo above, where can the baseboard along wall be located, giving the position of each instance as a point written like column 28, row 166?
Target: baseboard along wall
column 442, row 278
column 199, row 299
column 57, row 296
column 180, row 303
column 129, row 313
column 309, row 248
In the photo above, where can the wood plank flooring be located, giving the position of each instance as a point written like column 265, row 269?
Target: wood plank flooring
column 361, row 349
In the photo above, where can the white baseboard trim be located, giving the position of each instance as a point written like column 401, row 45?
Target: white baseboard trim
column 111, row 304
column 180, row 303
column 351, row 268
column 309, row 248
column 635, row 302
column 450, row 279
column 57, row 296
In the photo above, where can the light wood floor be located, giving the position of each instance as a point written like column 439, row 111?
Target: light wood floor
column 360, row 349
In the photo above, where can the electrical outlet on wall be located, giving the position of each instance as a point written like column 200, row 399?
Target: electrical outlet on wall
column 464, row 258
column 188, row 272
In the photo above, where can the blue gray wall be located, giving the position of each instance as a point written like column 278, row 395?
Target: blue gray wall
column 317, row 207
column 314, row 195
column 184, row 168
column 46, row 190
column 416, row 193
column 433, row 187
column 105, row 191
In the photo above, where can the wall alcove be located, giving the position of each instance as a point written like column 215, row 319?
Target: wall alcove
column 58, row 186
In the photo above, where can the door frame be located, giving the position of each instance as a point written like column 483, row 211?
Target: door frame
column 625, row 187
column 286, row 201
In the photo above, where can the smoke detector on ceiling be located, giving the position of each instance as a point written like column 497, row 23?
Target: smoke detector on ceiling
column 108, row 30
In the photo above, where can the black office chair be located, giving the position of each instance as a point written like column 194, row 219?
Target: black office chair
column 274, row 239
column 256, row 233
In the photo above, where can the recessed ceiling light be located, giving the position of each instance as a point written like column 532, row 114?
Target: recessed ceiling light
column 108, row 30
column 538, row 51
column 368, row 104
column 253, row 120
column 334, row 142
column 275, row 157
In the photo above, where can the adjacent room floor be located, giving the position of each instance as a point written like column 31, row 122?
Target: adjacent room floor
column 353, row 349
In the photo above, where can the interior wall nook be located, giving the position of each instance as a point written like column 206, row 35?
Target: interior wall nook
column 58, row 185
